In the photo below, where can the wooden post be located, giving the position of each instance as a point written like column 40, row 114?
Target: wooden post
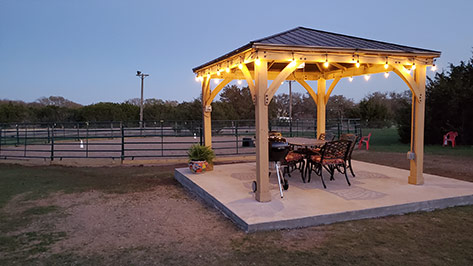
column 321, row 84
column 416, row 176
column 261, row 117
column 206, row 111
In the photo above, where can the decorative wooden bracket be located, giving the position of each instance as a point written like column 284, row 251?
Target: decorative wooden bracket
column 279, row 79
column 219, row 87
column 330, row 89
column 309, row 89
column 409, row 80
column 249, row 80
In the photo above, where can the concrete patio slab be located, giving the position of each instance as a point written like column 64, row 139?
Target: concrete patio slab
column 376, row 191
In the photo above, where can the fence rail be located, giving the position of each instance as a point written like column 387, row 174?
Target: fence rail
column 127, row 140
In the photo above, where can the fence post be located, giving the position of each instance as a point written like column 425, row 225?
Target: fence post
column 123, row 143
column 201, row 140
column 236, row 136
column 52, row 143
column 17, row 136
column 49, row 137
column 78, row 134
column 26, row 137
column 86, row 139
column 1, row 139
column 162, row 137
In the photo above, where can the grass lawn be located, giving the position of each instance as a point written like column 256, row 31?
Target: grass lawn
column 151, row 219
column 387, row 140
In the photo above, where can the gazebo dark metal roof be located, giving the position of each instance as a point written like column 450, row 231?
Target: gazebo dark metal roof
column 302, row 37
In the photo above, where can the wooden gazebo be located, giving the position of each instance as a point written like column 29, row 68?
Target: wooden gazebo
column 303, row 54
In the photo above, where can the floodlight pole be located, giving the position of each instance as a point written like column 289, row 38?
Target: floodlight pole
column 290, row 106
column 142, row 76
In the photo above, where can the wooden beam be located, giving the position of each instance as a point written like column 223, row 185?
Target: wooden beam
column 206, row 115
column 280, row 78
column 249, row 80
column 330, row 89
column 408, row 79
column 416, row 175
column 308, row 89
column 339, row 66
column 261, row 121
column 217, row 89
column 321, row 85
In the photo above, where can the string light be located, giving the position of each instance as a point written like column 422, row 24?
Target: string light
column 413, row 66
column 293, row 63
column 433, row 68
column 357, row 63
column 208, row 76
column 326, row 61
column 350, row 79
column 227, row 70
column 240, row 66
column 386, row 65
column 386, row 75
column 367, row 77
column 218, row 72
column 201, row 78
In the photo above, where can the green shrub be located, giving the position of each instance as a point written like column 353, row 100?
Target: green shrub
column 201, row 153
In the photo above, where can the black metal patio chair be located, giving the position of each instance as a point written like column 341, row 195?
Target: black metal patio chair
column 332, row 157
column 354, row 140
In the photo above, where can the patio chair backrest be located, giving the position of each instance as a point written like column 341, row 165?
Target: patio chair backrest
column 337, row 149
column 350, row 137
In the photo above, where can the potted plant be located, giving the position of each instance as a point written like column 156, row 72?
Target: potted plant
column 200, row 158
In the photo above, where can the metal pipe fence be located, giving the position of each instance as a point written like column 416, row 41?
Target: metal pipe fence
column 127, row 140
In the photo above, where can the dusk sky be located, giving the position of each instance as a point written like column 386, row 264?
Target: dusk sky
column 88, row 51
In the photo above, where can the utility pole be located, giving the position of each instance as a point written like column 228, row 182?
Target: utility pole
column 290, row 100
column 142, row 76
column 290, row 107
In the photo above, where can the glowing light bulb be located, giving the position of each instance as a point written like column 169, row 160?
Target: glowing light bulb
column 433, row 68
column 413, row 66
column 208, row 76
column 218, row 73
column 326, row 64
column 227, row 70
column 350, row 79
column 197, row 79
column 258, row 62
column 240, row 66
column 357, row 64
column 386, row 75
column 367, row 77
column 201, row 78
column 216, row 81
column 386, row 66
column 239, row 82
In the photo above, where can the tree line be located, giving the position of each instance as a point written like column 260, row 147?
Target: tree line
column 449, row 107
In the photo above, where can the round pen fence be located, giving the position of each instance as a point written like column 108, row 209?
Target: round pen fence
column 127, row 140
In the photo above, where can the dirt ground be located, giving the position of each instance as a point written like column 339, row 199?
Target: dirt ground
column 165, row 224
column 449, row 166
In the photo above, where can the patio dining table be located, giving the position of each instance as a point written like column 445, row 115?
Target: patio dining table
column 305, row 144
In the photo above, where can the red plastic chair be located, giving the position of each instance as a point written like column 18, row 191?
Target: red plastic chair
column 366, row 140
column 450, row 136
